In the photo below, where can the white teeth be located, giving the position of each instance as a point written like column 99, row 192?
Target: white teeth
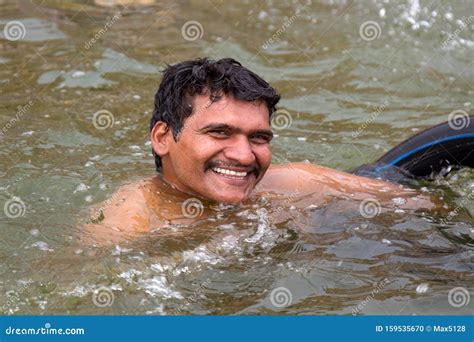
column 229, row 172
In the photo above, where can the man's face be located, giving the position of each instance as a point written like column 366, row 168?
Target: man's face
column 223, row 150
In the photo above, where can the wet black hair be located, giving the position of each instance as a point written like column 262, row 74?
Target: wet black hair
column 183, row 81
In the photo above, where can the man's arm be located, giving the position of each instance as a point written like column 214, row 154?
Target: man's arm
column 323, row 183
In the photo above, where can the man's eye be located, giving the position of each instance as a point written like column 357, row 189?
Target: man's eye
column 260, row 139
column 219, row 133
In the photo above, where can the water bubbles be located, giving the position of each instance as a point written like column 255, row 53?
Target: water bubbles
column 262, row 15
column 34, row 232
column 201, row 255
column 158, row 267
column 41, row 245
column 119, row 250
column 399, row 201
column 130, row 275
column 81, row 188
column 77, row 74
column 422, row 288
column 135, row 148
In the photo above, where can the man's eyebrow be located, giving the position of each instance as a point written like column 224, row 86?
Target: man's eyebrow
column 219, row 126
column 212, row 126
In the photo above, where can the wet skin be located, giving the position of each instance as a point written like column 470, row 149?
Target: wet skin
column 223, row 156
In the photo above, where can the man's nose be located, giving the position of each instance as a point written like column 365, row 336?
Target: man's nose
column 240, row 151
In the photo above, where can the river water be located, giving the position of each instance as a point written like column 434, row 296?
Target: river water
column 356, row 78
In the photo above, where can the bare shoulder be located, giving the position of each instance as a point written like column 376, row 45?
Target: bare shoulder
column 124, row 214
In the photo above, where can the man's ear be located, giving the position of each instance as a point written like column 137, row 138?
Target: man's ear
column 160, row 135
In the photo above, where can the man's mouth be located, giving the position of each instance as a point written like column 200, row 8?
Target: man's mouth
column 230, row 173
column 234, row 177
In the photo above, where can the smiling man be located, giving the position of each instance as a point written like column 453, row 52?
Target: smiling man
column 211, row 134
column 217, row 143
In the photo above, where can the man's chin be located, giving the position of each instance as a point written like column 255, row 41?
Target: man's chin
column 226, row 197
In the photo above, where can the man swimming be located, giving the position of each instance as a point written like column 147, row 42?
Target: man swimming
column 210, row 135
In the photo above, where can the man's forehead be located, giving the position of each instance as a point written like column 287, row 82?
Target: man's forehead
column 228, row 109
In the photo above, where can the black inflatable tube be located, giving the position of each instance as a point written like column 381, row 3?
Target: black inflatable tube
column 449, row 144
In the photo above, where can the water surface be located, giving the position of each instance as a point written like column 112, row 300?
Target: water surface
column 78, row 58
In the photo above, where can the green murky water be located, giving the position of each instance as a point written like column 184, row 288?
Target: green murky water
column 69, row 60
